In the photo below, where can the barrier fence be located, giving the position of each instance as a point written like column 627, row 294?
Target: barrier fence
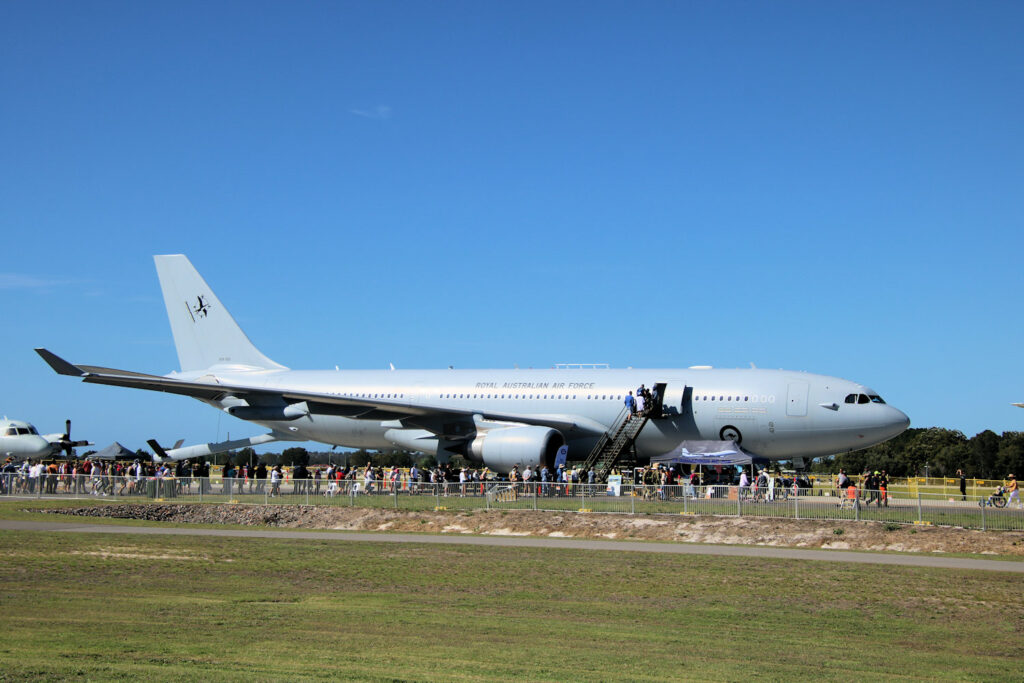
column 973, row 512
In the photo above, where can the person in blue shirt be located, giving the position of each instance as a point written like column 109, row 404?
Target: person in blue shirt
column 631, row 404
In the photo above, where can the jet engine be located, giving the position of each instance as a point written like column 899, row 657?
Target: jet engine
column 500, row 449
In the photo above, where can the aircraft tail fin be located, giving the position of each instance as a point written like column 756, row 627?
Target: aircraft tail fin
column 205, row 334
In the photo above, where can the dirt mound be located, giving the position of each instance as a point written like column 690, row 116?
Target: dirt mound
column 730, row 530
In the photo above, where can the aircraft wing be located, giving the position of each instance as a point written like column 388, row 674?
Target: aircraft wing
column 435, row 419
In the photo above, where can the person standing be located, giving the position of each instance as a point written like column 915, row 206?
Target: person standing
column 630, row 405
column 1012, row 491
column 870, row 487
column 275, row 481
column 963, row 484
column 842, row 482
column 261, row 478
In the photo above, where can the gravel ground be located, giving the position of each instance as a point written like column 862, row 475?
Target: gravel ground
column 726, row 530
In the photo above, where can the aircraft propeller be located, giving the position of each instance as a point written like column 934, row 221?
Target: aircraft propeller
column 67, row 444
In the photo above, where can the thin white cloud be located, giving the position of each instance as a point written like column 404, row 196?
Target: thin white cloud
column 381, row 112
column 19, row 281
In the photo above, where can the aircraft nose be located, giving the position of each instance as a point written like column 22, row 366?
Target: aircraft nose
column 897, row 422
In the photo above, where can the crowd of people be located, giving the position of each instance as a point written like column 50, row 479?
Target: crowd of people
column 123, row 478
column 647, row 402
column 874, row 488
column 767, row 486
column 96, row 477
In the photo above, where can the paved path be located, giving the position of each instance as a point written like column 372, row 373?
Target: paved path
column 534, row 542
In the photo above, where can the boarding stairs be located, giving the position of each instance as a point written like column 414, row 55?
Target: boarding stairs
column 616, row 446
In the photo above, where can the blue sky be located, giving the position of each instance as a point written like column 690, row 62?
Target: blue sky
column 830, row 187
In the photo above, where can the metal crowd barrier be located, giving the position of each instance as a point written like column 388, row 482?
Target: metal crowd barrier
column 973, row 512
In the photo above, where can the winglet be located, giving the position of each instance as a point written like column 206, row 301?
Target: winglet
column 61, row 366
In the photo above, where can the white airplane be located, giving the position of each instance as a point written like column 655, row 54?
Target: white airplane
column 179, row 452
column 20, row 440
column 500, row 418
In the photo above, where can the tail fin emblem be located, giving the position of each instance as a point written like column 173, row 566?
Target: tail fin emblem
column 200, row 310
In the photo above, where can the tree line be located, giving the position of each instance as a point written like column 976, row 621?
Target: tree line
column 936, row 452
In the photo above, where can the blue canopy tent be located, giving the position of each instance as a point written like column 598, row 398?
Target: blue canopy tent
column 725, row 453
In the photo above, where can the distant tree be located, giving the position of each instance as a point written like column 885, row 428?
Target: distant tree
column 393, row 459
column 246, row 456
column 983, row 450
column 922, row 451
column 951, row 458
column 457, row 462
column 359, row 458
column 1010, row 457
column 292, row 457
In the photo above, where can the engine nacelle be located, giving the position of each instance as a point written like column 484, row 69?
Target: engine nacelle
column 500, row 449
column 292, row 411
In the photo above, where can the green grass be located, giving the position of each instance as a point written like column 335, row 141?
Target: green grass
column 95, row 607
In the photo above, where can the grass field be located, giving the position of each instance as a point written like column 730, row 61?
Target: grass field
column 93, row 607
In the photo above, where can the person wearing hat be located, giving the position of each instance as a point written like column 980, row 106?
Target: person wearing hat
column 1013, row 494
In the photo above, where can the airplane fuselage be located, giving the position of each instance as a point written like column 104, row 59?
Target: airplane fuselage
column 774, row 414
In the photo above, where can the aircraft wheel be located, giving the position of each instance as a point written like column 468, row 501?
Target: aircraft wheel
column 730, row 433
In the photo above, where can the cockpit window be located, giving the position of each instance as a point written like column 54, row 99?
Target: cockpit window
column 876, row 399
column 11, row 431
column 851, row 398
column 862, row 398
